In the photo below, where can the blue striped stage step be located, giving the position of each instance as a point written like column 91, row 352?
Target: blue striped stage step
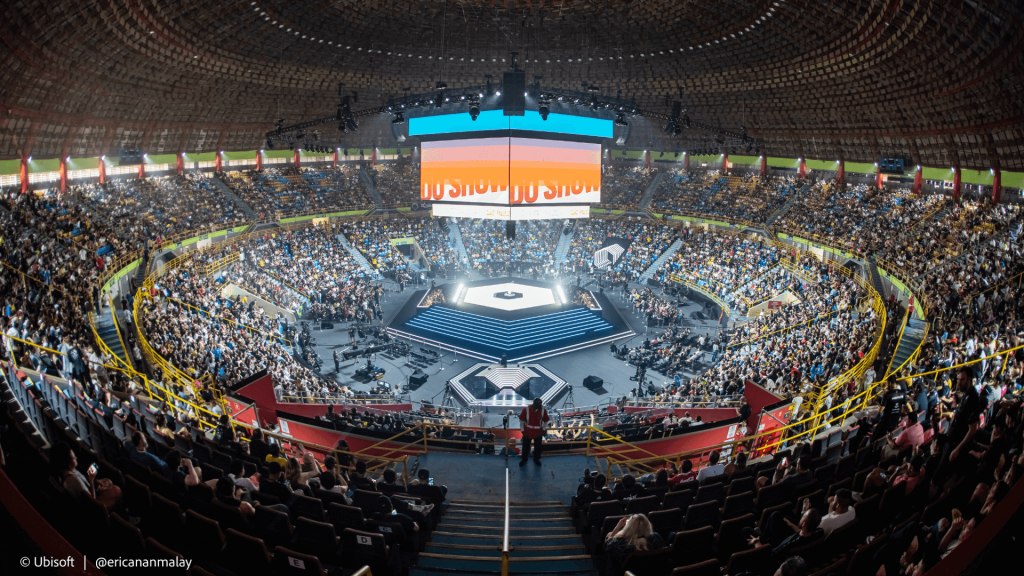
column 510, row 335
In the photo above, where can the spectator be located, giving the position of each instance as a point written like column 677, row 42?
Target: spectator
column 713, row 468
column 64, row 464
column 632, row 533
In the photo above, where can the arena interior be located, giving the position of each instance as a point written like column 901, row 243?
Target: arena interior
column 420, row 288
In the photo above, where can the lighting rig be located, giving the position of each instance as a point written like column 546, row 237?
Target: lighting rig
column 488, row 96
column 678, row 121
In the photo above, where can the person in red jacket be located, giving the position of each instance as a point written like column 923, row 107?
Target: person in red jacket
column 531, row 423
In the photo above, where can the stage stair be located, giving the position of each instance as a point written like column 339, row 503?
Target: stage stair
column 665, row 257
column 364, row 264
column 651, row 190
column 468, row 540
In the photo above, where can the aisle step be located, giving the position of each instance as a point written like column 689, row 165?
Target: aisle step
column 460, row 563
column 496, row 539
column 489, row 551
column 518, row 528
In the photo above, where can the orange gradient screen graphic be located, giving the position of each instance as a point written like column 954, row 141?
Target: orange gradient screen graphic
column 510, row 171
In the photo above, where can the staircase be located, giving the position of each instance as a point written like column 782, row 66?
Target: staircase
column 367, row 181
column 564, row 244
column 665, row 256
column 913, row 334
column 142, row 270
column 108, row 333
column 468, row 540
column 649, row 193
column 456, row 237
column 364, row 264
column 789, row 204
column 226, row 191
column 876, row 278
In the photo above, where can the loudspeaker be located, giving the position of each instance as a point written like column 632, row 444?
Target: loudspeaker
column 513, row 93
column 510, row 229
column 417, row 379
column 592, row 383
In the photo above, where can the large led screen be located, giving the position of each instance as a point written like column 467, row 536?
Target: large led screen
column 480, row 170
column 470, row 170
column 554, row 172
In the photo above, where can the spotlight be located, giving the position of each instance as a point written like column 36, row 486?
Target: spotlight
column 497, row 93
column 474, row 110
column 544, row 110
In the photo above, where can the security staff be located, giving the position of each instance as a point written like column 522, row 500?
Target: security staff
column 894, row 399
column 532, row 421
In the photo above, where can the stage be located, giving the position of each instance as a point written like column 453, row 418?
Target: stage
column 525, row 320
column 512, row 386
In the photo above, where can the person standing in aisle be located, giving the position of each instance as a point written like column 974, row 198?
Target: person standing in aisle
column 532, row 421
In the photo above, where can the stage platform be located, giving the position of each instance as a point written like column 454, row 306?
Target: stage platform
column 511, row 386
column 526, row 320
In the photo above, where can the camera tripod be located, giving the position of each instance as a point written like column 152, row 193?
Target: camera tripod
column 569, row 400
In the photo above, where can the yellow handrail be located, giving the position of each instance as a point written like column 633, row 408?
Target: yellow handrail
column 113, row 316
column 853, row 404
column 246, row 326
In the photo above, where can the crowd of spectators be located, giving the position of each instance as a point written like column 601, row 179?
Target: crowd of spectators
column 490, row 250
column 861, row 217
column 624, row 185
column 646, row 242
column 160, row 207
column 713, row 196
column 719, row 263
column 949, row 242
column 398, row 182
column 373, row 239
column 274, row 191
column 966, row 455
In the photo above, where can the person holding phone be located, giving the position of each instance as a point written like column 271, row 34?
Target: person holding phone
column 64, row 463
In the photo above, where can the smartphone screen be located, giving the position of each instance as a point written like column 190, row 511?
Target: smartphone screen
column 93, row 468
column 393, row 512
column 430, row 481
column 785, row 461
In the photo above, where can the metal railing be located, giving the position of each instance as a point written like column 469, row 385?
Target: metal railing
column 812, row 424
column 504, row 539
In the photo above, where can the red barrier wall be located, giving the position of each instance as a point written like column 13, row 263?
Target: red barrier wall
column 50, row 542
column 329, row 438
column 706, row 414
column 758, row 398
column 261, row 392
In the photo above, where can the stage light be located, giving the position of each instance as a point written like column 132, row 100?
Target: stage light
column 458, row 293
column 544, row 110
column 498, row 93
column 561, row 294
column 474, row 110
